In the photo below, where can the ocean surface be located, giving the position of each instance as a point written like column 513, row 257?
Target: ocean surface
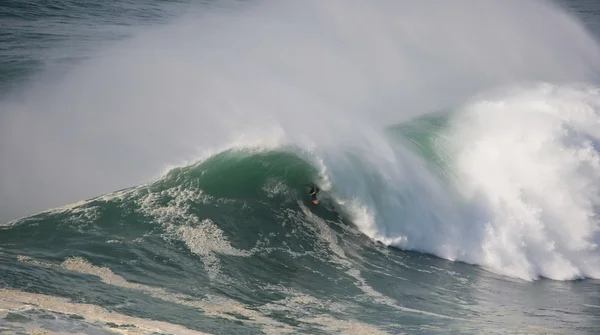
column 154, row 157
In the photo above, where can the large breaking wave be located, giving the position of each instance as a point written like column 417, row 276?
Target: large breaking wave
column 507, row 180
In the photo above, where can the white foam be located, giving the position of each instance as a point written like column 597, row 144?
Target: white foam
column 18, row 301
column 337, row 326
column 202, row 236
column 329, row 237
column 309, row 309
column 206, row 239
column 528, row 172
column 361, row 216
column 523, row 193
column 528, row 157
column 325, row 234
column 213, row 306
column 275, row 187
column 592, row 306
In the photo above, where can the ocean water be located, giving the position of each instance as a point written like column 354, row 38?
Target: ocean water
column 154, row 156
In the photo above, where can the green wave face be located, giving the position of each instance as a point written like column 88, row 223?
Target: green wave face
column 241, row 174
column 247, row 196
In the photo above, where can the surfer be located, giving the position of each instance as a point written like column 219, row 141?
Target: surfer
column 312, row 193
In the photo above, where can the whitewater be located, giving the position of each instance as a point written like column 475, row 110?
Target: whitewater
column 153, row 180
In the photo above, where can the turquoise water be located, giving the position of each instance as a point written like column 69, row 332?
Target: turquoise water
column 478, row 218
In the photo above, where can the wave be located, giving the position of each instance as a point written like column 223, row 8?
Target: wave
column 508, row 182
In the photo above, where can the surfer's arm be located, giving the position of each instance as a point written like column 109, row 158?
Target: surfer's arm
column 314, row 189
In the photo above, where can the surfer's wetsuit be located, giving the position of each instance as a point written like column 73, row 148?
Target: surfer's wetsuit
column 312, row 193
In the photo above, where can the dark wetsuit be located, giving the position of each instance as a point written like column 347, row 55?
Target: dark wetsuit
column 314, row 189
